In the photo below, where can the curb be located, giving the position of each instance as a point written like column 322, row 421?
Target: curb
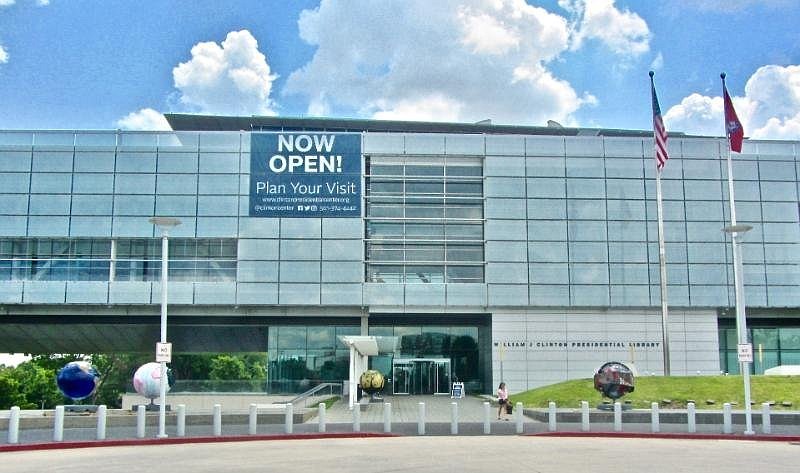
column 182, row 440
column 672, row 436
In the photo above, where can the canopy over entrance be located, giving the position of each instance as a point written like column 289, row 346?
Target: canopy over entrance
column 361, row 348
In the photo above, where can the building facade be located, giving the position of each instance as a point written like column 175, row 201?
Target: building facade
column 522, row 254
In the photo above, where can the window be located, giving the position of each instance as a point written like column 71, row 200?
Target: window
column 424, row 220
column 42, row 259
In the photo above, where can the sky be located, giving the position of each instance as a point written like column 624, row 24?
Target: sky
column 92, row 64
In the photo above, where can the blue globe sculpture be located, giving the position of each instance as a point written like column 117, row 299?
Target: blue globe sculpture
column 77, row 380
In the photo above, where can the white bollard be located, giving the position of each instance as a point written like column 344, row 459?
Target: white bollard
column 453, row 418
column 140, row 419
column 690, row 418
column 181, row 422
column 357, row 418
column 217, row 420
column 486, row 419
column 766, row 422
column 58, row 427
column 518, row 417
column 726, row 419
column 551, row 416
column 252, row 420
column 584, row 416
column 655, row 425
column 101, row 422
column 321, row 415
column 617, row 417
column 387, row 417
column 421, row 422
column 13, row 425
column 288, row 426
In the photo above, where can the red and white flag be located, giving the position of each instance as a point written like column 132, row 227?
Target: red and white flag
column 659, row 132
column 733, row 127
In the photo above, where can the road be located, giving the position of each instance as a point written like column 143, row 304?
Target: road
column 423, row 454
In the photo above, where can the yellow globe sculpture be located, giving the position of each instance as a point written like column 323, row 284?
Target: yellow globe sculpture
column 372, row 381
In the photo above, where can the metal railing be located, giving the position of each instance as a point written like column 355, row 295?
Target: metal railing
column 322, row 389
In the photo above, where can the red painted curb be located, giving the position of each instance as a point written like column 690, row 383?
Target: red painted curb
column 682, row 436
column 183, row 440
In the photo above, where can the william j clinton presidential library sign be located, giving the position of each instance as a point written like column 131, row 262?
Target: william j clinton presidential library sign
column 305, row 175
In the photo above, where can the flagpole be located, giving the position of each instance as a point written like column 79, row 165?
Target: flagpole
column 734, row 229
column 662, row 258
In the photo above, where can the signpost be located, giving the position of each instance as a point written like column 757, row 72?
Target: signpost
column 163, row 352
column 457, row 391
column 745, row 352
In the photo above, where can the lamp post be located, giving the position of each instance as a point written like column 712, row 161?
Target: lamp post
column 164, row 224
column 741, row 321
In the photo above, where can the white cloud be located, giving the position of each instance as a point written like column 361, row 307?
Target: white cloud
column 770, row 108
column 144, row 119
column 623, row 31
column 3, row 55
column 228, row 78
column 446, row 60
column 6, row 3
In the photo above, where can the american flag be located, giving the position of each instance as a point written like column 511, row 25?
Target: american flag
column 659, row 132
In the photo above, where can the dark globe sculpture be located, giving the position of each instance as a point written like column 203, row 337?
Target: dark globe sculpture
column 77, row 380
column 372, row 381
column 614, row 380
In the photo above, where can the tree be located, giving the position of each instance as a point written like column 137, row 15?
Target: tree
column 10, row 392
column 228, row 367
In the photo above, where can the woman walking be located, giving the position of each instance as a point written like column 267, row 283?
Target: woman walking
column 502, row 399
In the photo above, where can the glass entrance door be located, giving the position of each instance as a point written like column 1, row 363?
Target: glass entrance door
column 421, row 376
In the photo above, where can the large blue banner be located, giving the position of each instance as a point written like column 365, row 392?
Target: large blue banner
column 305, row 175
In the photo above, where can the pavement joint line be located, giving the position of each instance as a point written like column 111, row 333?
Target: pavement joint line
column 185, row 440
column 673, row 436
column 366, row 435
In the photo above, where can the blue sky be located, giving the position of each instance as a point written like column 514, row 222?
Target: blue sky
column 120, row 64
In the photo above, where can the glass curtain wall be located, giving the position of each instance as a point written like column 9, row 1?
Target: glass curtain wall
column 86, row 259
column 424, row 220
column 771, row 347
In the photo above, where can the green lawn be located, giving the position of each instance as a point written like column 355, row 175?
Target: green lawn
column 678, row 390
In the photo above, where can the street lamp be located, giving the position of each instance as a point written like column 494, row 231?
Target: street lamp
column 164, row 224
column 741, row 322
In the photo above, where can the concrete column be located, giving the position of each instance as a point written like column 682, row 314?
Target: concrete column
column 321, row 416
column 387, row 417
column 690, row 418
column 13, row 425
column 487, row 416
column 58, row 427
column 617, row 417
column 766, row 422
column 181, row 421
column 288, row 426
column 101, row 422
column 584, row 416
column 727, row 427
column 140, row 419
column 252, row 420
column 357, row 418
column 421, row 421
column 551, row 416
column 453, row 418
column 518, row 419
column 654, row 420
column 217, row 420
